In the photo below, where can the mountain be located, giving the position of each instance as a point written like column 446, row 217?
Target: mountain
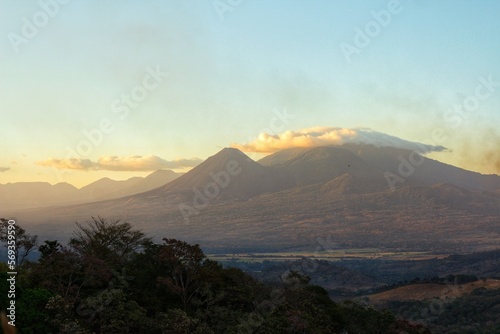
column 106, row 188
column 425, row 171
column 102, row 188
column 228, row 175
column 348, row 183
column 232, row 203
column 282, row 156
column 23, row 195
column 34, row 194
column 156, row 179
column 321, row 164
column 374, row 161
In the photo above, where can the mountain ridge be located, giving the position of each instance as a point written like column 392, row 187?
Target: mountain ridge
column 25, row 195
column 236, row 203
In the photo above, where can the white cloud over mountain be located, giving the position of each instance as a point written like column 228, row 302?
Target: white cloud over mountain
column 324, row 136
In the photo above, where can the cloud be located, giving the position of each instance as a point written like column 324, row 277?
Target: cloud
column 73, row 163
column 4, row 169
column 323, row 136
column 143, row 163
column 115, row 163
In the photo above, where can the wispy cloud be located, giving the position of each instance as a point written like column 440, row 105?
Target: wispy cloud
column 323, row 136
column 4, row 169
column 143, row 163
column 73, row 163
column 115, row 163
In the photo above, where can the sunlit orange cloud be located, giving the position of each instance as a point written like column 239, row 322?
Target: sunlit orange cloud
column 324, row 136
column 115, row 163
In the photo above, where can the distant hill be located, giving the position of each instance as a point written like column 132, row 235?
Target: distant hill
column 108, row 189
column 103, row 188
column 429, row 291
column 23, row 195
column 333, row 278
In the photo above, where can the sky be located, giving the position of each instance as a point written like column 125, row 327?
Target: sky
column 92, row 89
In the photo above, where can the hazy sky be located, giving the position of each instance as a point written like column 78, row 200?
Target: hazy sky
column 119, row 88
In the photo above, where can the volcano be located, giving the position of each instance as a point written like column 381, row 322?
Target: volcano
column 288, row 199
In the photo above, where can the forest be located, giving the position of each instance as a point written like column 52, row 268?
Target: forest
column 112, row 278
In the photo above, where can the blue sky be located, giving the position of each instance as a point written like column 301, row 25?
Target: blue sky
column 225, row 75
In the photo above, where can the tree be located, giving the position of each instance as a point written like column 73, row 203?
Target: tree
column 82, row 270
column 24, row 242
column 224, row 296
column 184, row 263
column 65, row 272
column 49, row 248
column 111, row 241
column 62, row 273
column 145, row 267
column 112, row 311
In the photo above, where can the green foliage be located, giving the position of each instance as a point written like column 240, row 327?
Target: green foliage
column 176, row 321
column 112, row 279
column 113, row 312
column 31, row 313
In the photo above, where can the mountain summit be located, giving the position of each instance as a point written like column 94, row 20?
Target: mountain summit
column 321, row 164
column 229, row 174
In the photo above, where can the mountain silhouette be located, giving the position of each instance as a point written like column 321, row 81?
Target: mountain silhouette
column 228, row 175
column 288, row 199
